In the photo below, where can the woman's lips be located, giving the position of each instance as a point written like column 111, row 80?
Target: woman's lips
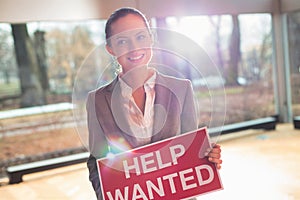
column 136, row 58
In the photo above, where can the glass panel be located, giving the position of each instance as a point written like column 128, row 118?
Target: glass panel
column 241, row 47
column 294, row 57
column 59, row 49
column 56, row 50
column 9, row 81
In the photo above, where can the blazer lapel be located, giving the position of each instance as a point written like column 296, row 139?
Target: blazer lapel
column 118, row 123
column 161, row 108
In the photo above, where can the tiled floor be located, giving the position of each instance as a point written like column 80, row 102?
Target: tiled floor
column 259, row 165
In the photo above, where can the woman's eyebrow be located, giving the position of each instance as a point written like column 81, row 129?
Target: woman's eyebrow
column 127, row 36
column 140, row 32
column 121, row 37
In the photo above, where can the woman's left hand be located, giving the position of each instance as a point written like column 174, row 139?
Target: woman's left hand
column 214, row 155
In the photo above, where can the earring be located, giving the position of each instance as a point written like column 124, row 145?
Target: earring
column 116, row 65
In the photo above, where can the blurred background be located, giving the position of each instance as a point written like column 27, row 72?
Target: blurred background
column 255, row 46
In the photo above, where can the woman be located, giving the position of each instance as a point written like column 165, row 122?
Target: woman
column 141, row 105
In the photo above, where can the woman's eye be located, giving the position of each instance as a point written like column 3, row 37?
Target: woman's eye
column 141, row 37
column 121, row 42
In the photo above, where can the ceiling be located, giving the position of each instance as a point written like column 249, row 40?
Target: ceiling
column 18, row 11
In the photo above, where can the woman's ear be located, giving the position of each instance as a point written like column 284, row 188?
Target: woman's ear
column 109, row 50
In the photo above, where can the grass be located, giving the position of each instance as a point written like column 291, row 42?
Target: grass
column 10, row 89
column 219, row 91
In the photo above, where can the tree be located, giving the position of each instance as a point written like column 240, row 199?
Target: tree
column 81, row 45
column 58, row 49
column 66, row 52
column 217, row 25
column 294, row 53
column 294, row 41
column 40, row 50
column 234, row 52
column 7, row 64
column 31, row 88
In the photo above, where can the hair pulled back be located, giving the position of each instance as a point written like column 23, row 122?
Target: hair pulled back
column 119, row 13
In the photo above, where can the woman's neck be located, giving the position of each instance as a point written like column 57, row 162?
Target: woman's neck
column 136, row 77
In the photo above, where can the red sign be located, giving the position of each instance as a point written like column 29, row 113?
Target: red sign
column 175, row 168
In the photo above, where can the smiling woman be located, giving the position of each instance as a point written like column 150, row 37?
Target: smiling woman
column 141, row 105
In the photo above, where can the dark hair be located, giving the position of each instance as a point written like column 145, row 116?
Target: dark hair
column 119, row 13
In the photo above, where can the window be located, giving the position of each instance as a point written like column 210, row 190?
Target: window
column 294, row 59
column 241, row 48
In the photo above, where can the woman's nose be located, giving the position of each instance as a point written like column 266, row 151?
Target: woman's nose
column 133, row 45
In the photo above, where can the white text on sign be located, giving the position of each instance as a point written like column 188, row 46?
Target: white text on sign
column 148, row 164
column 189, row 178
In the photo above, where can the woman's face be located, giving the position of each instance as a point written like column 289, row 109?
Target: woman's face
column 130, row 42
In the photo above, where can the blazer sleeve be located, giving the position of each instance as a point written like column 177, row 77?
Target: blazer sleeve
column 94, row 176
column 189, row 113
column 97, row 144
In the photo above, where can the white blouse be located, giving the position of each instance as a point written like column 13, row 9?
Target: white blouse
column 141, row 125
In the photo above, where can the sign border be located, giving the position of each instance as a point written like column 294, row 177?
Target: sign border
column 170, row 138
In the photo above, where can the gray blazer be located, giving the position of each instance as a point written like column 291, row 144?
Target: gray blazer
column 174, row 113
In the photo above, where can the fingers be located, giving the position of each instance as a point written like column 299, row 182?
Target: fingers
column 216, row 145
column 218, row 166
column 217, row 161
column 214, row 155
column 214, row 152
